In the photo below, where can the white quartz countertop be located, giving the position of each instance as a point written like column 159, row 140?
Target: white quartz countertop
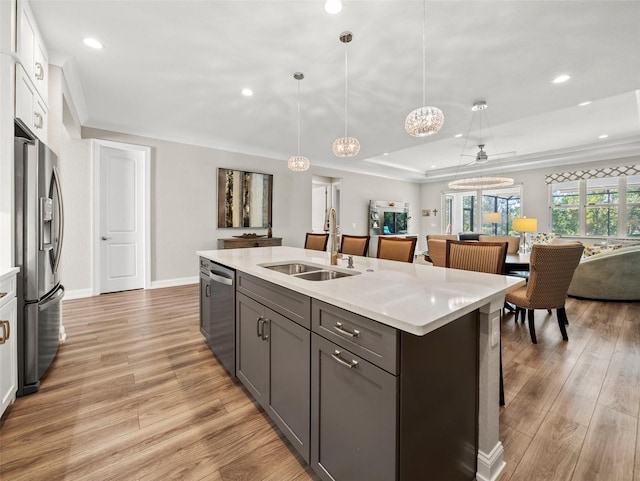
column 414, row 298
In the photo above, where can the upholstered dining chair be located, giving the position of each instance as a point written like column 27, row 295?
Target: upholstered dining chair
column 396, row 248
column 437, row 249
column 476, row 256
column 486, row 257
column 551, row 268
column 317, row 242
column 513, row 241
column 355, row 245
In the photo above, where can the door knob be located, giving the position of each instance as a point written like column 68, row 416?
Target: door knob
column 104, row 237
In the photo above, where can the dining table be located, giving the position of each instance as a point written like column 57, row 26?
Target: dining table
column 516, row 262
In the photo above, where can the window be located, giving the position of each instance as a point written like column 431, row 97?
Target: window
column 602, row 207
column 599, row 207
column 633, row 206
column 565, row 208
column 465, row 211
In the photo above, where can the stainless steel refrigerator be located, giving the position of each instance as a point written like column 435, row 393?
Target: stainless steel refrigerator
column 38, row 243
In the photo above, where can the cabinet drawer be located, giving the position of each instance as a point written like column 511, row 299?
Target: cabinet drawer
column 369, row 339
column 293, row 305
column 7, row 290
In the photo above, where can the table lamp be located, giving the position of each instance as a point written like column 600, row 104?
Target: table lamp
column 524, row 225
column 493, row 218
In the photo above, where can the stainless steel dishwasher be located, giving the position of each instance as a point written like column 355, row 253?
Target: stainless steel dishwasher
column 222, row 332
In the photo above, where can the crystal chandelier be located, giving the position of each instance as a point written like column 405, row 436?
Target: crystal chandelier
column 479, row 182
column 425, row 120
column 298, row 163
column 345, row 146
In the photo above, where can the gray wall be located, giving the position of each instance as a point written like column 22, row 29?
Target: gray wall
column 183, row 204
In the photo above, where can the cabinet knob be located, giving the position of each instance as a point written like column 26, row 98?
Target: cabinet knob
column 104, row 237
column 39, row 71
column 38, row 121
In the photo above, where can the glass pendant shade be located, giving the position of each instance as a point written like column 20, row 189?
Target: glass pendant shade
column 298, row 163
column 424, row 121
column 346, row 147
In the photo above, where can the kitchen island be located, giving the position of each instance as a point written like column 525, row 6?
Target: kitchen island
column 418, row 349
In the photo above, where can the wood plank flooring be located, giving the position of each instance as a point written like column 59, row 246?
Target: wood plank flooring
column 135, row 394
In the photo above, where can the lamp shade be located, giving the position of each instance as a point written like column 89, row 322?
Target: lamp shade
column 492, row 217
column 525, row 224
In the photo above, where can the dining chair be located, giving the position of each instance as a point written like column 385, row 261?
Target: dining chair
column 316, row 242
column 355, row 245
column 396, row 248
column 551, row 268
column 486, row 257
column 513, row 241
column 437, row 250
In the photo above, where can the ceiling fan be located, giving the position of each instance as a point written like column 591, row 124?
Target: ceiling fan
column 482, row 157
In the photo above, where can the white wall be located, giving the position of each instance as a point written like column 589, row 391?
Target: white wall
column 184, row 210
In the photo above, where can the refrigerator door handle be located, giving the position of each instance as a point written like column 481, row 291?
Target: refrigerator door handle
column 52, row 300
column 56, row 183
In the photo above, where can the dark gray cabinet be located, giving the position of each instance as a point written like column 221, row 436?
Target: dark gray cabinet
column 205, row 299
column 273, row 361
column 353, row 421
column 388, row 405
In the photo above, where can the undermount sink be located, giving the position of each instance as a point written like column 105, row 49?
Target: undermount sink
column 309, row 272
column 323, row 275
column 291, row 269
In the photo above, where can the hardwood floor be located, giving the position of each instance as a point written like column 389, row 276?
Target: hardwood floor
column 135, row 394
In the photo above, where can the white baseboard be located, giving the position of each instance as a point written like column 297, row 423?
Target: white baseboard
column 82, row 293
column 77, row 294
column 490, row 465
column 174, row 282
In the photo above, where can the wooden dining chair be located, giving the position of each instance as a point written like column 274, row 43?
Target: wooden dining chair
column 486, row 257
column 396, row 248
column 317, row 242
column 355, row 245
column 551, row 268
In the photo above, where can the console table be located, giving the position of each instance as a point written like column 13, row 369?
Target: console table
column 241, row 242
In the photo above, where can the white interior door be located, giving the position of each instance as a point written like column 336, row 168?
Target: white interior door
column 121, row 218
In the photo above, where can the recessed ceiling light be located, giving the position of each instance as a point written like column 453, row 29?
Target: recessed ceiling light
column 561, row 79
column 386, row 153
column 603, row 136
column 433, row 166
column 247, row 92
column 582, row 104
column 457, row 136
column 333, row 6
column 93, row 43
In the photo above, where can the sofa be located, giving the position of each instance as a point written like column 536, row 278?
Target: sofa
column 609, row 274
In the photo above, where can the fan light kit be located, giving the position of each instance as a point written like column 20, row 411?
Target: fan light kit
column 481, row 158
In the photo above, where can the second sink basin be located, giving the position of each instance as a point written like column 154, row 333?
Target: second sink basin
column 323, row 275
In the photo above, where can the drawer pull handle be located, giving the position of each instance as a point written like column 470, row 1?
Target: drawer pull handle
column 6, row 331
column 265, row 334
column 259, row 326
column 207, row 290
column 38, row 122
column 338, row 327
column 350, row 365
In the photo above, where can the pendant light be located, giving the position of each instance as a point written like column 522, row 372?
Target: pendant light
column 425, row 120
column 298, row 163
column 345, row 146
column 479, row 182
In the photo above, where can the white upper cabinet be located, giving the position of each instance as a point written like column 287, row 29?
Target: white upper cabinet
column 31, row 50
column 32, row 73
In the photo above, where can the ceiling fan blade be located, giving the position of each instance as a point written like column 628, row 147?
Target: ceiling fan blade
column 504, row 154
